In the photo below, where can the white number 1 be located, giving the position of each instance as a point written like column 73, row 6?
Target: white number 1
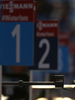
column 16, row 32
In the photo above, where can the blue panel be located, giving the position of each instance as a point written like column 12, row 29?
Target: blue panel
column 38, row 75
column 63, row 61
column 52, row 55
column 8, row 43
column 64, row 56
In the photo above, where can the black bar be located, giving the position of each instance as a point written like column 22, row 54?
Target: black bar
column 10, row 83
column 27, row 83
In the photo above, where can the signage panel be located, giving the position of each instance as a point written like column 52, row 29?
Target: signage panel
column 46, row 45
column 63, row 54
column 72, row 47
column 63, row 61
column 16, row 33
column 64, row 39
column 16, row 10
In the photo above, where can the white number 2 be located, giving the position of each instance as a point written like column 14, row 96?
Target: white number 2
column 41, row 63
column 16, row 32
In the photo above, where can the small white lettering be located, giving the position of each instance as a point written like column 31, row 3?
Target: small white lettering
column 42, row 25
column 11, row 6
column 14, row 18
column 46, row 34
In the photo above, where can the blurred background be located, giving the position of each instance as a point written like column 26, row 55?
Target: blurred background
column 64, row 11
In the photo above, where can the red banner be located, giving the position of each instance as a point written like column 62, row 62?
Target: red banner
column 63, row 38
column 47, row 28
column 12, row 11
column 72, row 47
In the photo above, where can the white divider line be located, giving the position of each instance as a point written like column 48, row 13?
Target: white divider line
column 52, row 86
column 30, row 87
column 47, row 90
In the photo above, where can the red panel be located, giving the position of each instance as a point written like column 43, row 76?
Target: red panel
column 63, row 39
column 72, row 47
column 17, row 10
column 47, row 28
